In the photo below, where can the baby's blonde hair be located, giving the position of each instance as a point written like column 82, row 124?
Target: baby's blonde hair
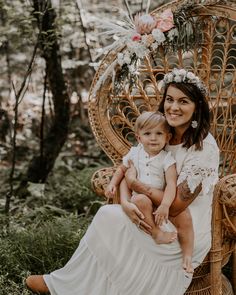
column 151, row 120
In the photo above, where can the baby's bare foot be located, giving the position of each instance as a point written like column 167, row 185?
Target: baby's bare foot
column 187, row 264
column 164, row 237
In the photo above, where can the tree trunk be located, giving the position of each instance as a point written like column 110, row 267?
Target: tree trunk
column 56, row 136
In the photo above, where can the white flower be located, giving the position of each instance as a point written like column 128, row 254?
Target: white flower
column 172, row 34
column 132, row 68
column 178, row 79
column 168, row 78
column 127, row 58
column 139, row 49
column 175, row 72
column 190, row 76
column 158, row 35
column 182, row 72
column 120, row 58
column 154, row 46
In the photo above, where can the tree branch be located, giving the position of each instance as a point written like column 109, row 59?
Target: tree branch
column 18, row 96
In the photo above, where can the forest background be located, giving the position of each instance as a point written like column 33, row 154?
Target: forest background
column 48, row 54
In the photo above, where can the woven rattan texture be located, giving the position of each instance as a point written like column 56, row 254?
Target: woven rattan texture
column 112, row 118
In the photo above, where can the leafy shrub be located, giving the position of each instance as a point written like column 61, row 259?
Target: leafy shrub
column 44, row 227
column 71, row 190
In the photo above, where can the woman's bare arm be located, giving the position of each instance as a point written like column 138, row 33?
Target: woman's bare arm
column 183, row 197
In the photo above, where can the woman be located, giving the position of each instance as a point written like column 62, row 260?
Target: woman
column 115, row 257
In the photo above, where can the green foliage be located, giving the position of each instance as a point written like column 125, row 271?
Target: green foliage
column 37, row 248
column 44, row 229
column 9, row 287
column 71, row 190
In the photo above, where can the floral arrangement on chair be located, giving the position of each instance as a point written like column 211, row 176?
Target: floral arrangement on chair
column 149, row 31
column 142, row 35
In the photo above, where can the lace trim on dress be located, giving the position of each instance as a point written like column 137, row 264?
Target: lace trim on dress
column 196, row 175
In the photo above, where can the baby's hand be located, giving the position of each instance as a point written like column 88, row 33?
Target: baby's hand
column 161, row 214
column 110, row 191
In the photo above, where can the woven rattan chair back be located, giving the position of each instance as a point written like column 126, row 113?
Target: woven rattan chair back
column 112, row 114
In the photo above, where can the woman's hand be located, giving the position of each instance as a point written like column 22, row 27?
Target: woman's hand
column 131, row 210
column 136, row 216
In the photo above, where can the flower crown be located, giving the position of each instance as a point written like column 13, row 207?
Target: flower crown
column 182, row 76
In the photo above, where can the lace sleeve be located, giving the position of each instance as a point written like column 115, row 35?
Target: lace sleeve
column 200, row 167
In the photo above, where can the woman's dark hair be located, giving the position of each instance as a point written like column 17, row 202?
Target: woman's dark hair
column 201, row 115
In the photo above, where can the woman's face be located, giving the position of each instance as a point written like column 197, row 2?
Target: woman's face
column 178, row 109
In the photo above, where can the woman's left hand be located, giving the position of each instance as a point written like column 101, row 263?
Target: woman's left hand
column 136, row 216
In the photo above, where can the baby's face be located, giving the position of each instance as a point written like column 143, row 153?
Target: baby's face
column 153, row 139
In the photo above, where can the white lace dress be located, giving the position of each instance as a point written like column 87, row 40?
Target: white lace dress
column 116, row 258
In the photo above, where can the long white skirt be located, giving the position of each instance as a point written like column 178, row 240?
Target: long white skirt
column 116, row 258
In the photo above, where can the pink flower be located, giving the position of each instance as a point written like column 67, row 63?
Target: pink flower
column 144, row 24
column 136, row 37
column 165, row 21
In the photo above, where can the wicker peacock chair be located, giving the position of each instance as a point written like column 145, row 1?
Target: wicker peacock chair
column 112, row 115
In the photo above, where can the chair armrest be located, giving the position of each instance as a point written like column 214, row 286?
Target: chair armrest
column 101, row 179
column 226, row 191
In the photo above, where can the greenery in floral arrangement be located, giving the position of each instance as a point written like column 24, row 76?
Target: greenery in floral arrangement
column 188, row 29
column 125, row 72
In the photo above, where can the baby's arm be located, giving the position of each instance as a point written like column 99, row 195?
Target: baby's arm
column 162, row 212
column 111, row 189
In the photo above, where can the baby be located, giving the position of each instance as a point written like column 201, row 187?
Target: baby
column 156, row 167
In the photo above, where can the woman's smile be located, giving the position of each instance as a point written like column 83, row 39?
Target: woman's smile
column 173, row 115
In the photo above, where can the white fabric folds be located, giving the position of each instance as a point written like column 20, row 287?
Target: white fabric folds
column 116, row 258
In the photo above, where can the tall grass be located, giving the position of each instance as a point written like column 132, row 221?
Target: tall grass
column 44, row 229
column 37, row 249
